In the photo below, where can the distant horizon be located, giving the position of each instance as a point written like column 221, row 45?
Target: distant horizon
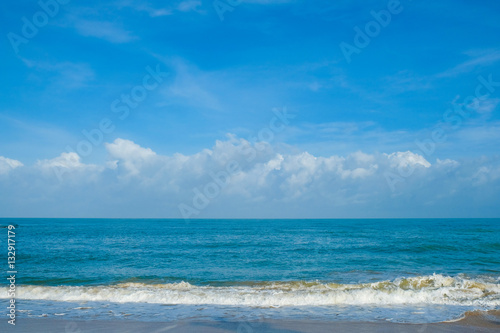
column 260, row 218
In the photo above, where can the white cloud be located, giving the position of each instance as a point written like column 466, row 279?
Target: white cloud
column 131, row 155
column 65, row 75
column 110, row 31
column 407, row 159
column 484, row 106
column 189, row 5
column 485, row 175
column 166, row 9
column 136, row 181
column 65, row 160
column 479, row 59
column 192, row 86
column 68, row 164
column 448, row 163
column 7, row 164
column 153, row 12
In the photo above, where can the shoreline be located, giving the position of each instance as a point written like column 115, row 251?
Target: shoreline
column 477, row 321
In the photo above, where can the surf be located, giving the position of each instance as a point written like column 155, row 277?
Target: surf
column 431, row 289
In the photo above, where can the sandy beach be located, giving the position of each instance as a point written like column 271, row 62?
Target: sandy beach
column 472, row 322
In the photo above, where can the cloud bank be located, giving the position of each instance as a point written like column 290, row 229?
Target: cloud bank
column 237, row 178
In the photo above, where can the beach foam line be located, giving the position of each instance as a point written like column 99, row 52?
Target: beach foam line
column 431, row 289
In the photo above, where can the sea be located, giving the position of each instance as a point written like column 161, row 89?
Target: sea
column 397, row 270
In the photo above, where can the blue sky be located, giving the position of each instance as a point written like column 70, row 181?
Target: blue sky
column 360, row 139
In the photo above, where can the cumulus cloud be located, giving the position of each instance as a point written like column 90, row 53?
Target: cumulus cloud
column 65, row 160
column 238, row 178
column 131, row 155
column 407, row 159
column 67, row 165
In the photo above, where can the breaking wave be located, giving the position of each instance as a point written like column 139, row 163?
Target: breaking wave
column 431, row 289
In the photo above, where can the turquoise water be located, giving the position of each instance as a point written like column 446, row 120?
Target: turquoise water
column 410, row 270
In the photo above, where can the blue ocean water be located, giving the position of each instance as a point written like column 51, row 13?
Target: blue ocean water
column 408, row 270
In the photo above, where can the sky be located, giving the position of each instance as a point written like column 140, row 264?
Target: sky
column 250, row 109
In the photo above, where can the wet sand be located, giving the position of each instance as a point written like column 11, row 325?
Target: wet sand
column 472, row 322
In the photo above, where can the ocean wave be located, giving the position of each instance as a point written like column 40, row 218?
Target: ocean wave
column 431, row 289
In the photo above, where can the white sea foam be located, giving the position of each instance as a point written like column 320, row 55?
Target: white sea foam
column 433, row 289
